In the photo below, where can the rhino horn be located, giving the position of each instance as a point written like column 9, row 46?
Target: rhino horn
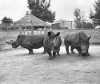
column 10, row 42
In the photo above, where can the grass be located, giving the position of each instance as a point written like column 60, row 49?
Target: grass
column 7, row 36
column 12, row 35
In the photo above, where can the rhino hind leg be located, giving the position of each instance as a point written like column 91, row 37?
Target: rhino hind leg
column 72, row 50
column 30, row 51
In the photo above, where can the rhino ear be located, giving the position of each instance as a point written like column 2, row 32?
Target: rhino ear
column 89, row 37
column 49, row 33
column 58, row 34
column 18, row 36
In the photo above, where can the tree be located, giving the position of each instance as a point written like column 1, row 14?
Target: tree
column 95, row 16
column 6, row 21
column 40, row 9
column 79, row 18
column 89, row 25
column 80, row 21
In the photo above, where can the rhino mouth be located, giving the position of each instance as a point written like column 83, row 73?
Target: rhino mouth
column 56, row 48
column 83, row 54
column 15, row 45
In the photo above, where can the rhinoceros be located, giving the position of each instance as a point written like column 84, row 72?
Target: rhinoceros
column 28, row 42
column 78, row 41
column 51, row 44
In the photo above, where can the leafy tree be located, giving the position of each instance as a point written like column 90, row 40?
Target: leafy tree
column 95, row 16
column 40, row 9
column 89, row 25
column 80, row 21
column 7, row 21
column 79, row 18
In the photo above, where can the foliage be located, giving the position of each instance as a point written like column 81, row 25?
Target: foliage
column 80, row 21
column 7, row 21
column 79, row 18
column 95, row 16
column 89, row 25
column 40, row 9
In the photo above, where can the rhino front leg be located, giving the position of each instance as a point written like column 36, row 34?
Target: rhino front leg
column 72, row 50
column 88, row 52
column 50, row 55
column 54, row 54
column 30, row 51
column 44, row 52
column 58, row 52
column 79, row 50
column 67, row 49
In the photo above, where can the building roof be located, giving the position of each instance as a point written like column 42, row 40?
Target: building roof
column 29, row 19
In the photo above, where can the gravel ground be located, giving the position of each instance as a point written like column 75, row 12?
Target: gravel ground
column 18, row 67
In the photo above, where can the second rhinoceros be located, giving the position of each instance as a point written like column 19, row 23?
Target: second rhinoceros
column 79, row 41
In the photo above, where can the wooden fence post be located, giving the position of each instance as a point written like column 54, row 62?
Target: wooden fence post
column 45, row 31
column 71, row 25
column 20, row 28
column 32, row 28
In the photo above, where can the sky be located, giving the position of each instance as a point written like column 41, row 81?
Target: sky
column 64, row 9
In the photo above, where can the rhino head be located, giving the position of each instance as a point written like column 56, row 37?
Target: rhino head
column 16, row 43
column 53, row 40
column 84, row 45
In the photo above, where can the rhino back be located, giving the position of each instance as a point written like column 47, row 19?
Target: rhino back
column 73, row 39
column 21, row 37
column 35, row 41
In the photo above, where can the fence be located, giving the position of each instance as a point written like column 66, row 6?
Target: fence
column 26, row 28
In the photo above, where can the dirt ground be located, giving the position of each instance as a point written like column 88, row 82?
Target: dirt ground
column 18, row 67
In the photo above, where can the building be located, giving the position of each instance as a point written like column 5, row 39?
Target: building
column 30, row 21
column 62, row 24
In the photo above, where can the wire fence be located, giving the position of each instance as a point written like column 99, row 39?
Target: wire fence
column 63, row 24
